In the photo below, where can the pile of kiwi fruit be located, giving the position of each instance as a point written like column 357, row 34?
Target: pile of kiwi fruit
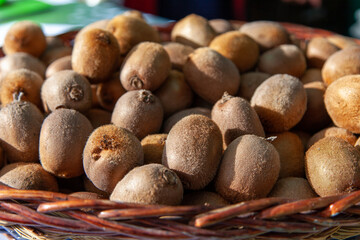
column 214, row 113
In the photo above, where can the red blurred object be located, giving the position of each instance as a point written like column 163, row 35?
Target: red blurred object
column 147, row 6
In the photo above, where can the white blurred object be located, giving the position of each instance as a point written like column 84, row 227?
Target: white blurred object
column 354, row 29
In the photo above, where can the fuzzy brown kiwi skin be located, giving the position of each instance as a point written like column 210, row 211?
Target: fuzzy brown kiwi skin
column 28, row 176
column 63, row 63
column 293, row 187
column 62, row 138
column 332, row 132
column 139, row 111
column 178, row 53
column 193, row 150
column 110, row 153
column 149, row 184
column 20, row 130
column 153, row 146
column 249, row 82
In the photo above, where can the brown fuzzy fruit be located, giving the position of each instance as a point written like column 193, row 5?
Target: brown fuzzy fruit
column 249, row 82
column 193, row 150
column 318, row 50
column 139, row 111
column 311, row 75
column 333, row 167
column 66, row 89
column 62, row 139
column 110, row 153
column 178, row 53
column 52, row 54
column 153, row 146
column 98, row 117
column 145, row 67
column 28, row 176
column 221, row 26
column 63, row 63
column 332, row 132
column 293, row 188
column 107, row 93
column 249, row 169
column 25, row 36
column 210, row 74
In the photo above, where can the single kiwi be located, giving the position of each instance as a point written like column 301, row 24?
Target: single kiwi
column 235, row 117
column 280, row 102
column 139, row 111
column 221, row 26
column 311, row 75
column 332, row 132
column 22, row 82
column 210, row 74
column 316, row 117
column 318, row 50
column 249, row 82
column 63, row 135
column 293, row 188
column 25, row 36
column 193, row 150
column 205, row 198
column 28, row 176
column 87, row 195
column 249, row 169
column 149, row 184
column 333, row 167
column 20, row 124
column 174, row 94
column 193, row 30
column 63, row 63
column 238, row 47
column 96, row 54
column 342, row 99
column 98, row 117
column 267, row 34
column 107, row 93
column 291, row 152
column 52, row 54
column 21, row 60
column 110, row 153
column 153, row 146
column 283, row 59
column 173, row 119
column 341, row 41
column 145, row 67
column 66, row 89
column 129, row 31
column 178, row 53
column 341, row 63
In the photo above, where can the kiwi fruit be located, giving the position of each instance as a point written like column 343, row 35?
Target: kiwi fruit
column 235, row 117
column 54, row 42
column 238, row 47
column 63, row 63
column 110, row 153
column 107, row 93
column 96, row 54
column 193, row 30
column 25, row 36
column 193, row 150
column 283, row 59
column 153, row 146
column 129, row 31
column 342, row 99
column 28, row 176
column 291, row 152
column 205, row 198
column 52, row 54
column 249, row 169
column 332, row 132
column 20, row 124
column 174, row 94
column 293, row 188
column 98, row 117
column 152, row 184
column 145, row 67
column 318, row 50
column 333, row 166
column 267, row 34
column 341, row 41
column 21, row 60
column 66, row 89
column 249, row 82
column 90, row 187
column 62, row 139
column 21, row 83
column 311, row 75
column 221, row 26
column 86, row 195
column 280, row 102
column 210, row 74
column 140, row 112
column 173, row 119
column 304, row 137
column 178, row 53
column 341, row 63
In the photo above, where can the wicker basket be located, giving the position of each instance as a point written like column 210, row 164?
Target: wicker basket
column 35, row 214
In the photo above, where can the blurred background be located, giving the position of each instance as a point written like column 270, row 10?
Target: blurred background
column 340, row 16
